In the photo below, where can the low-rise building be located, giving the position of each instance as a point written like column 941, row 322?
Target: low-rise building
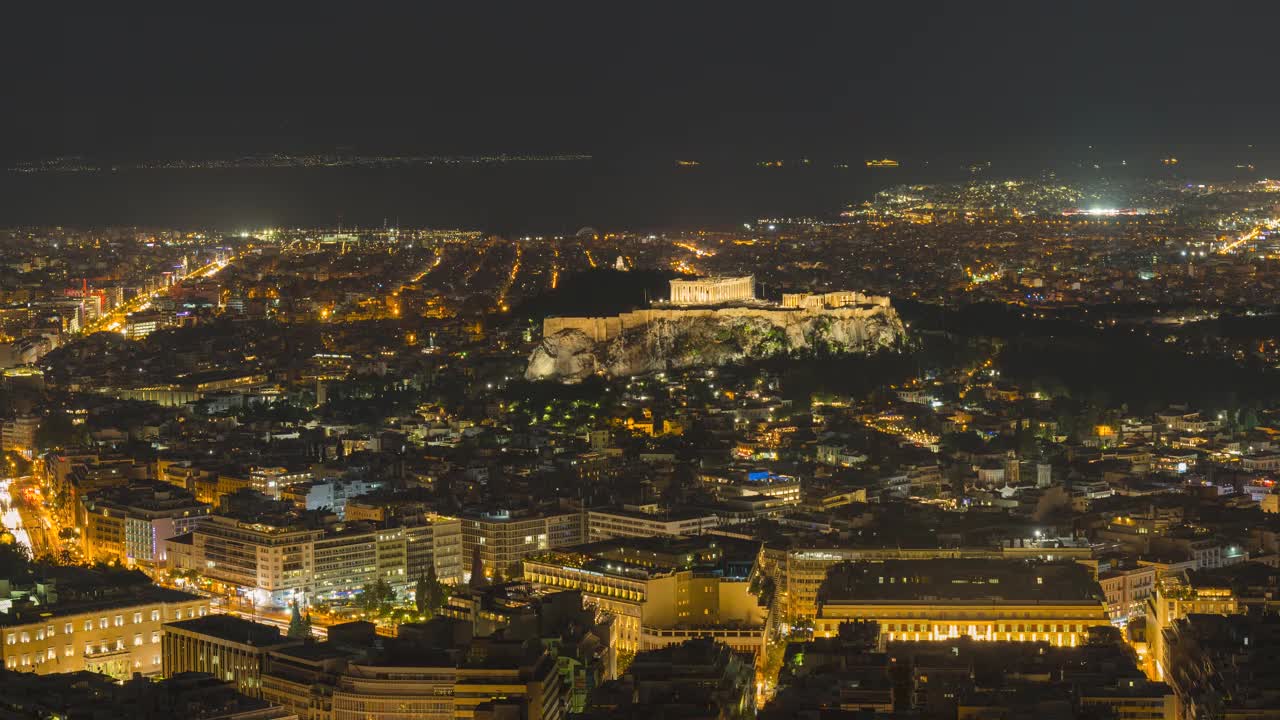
column 663, row 591
column 101, row 621
column 229, row 648
column 982, row 599
column 697, row 678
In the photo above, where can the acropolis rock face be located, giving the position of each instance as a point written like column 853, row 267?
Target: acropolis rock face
column 672, row 338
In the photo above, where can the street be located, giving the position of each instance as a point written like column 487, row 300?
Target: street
column 26, row 517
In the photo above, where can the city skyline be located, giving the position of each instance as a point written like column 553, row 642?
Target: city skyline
column 607, row 362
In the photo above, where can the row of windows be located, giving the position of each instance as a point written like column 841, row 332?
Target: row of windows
column 102, row 623
column 999, row 627
column 13, row 661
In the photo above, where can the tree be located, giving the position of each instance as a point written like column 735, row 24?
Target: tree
column 430, row 594
column 377, row 596
column 57, row 430
column 478, row 580
column 299, row 628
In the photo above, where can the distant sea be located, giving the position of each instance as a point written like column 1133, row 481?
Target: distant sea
column 510, row 198
column 542, row 197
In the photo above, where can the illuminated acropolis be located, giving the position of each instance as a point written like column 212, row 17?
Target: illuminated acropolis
column 713, row 290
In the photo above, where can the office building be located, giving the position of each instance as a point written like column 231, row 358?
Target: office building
column 229, row 648
column 129, row 524
column 503, row 538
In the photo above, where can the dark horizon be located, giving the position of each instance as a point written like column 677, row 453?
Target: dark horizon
column 836, row 80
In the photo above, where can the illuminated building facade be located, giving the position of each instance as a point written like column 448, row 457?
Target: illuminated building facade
column 713, row 290
column 800, row 572
column 1007, row 600
column 116, row 634
column 19, row 435
column 130, row 524
column 661, row 591
column 1177, row 596
column 502, row 539
column 230, row 648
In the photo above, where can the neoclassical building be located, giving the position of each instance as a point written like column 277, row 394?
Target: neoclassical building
column 1011, row 600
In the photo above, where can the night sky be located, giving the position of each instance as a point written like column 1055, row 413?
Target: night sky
column 639, row 78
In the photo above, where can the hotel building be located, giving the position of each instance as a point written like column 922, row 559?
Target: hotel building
column 663, row 591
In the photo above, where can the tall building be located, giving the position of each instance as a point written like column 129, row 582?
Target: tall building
column 799, row 572
column 272, row 480
column 434, row 541
column 190, row 696
column 1225, row 666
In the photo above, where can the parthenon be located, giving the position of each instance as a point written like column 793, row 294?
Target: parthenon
column 713, row 290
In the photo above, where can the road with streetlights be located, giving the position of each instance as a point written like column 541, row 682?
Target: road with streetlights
column 26, row 516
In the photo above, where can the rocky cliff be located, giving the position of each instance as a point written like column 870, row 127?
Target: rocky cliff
column 709, row 338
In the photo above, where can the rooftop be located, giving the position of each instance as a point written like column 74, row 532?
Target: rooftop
column 964, row 581
column 232, row 629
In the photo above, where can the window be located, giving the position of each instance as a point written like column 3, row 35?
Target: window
column 155, row 615
column 51, row 654
column 88, row 625
column 137, row 639
column 103, row 624
column 155, row 637
column 12, row 639
column 88, row 648
column 119, row 621
column 119, row 643
column 67, row 628
column 69, row 650
column 155, row 660
column 26, row 638
column 137, row 618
